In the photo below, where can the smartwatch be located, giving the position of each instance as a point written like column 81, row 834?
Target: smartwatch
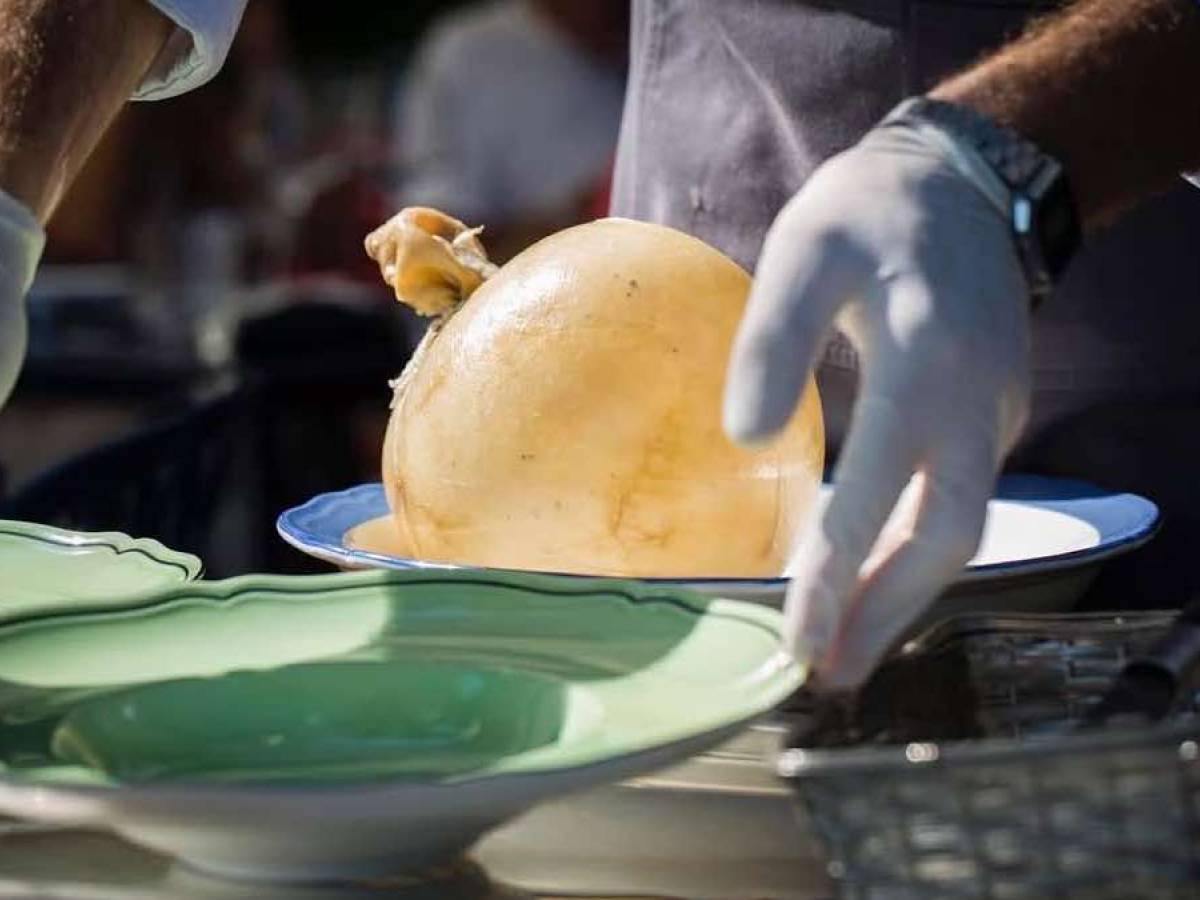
column 1028, row 187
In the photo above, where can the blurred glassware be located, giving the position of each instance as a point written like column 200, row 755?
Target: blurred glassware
column 210, row 262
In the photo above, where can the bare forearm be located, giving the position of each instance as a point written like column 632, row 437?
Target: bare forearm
column 1110, row 87
column 66, row 68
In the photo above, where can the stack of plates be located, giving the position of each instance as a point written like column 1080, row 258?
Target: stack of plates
column 382, row 721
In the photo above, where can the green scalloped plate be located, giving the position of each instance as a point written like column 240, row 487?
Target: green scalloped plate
column 294, row 727
column 45, row 568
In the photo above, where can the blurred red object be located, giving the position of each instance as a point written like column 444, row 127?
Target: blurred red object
column 599, row 199
column 329, row 238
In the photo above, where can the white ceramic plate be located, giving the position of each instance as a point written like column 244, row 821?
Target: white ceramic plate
column 1042, row 544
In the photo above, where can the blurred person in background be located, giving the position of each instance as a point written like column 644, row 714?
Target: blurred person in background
column 509, row 116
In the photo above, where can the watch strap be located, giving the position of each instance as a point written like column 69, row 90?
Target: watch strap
column 1026, row 186
column 1014, row 158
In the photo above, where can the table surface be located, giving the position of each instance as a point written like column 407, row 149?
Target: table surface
column 78, row 865
column 82, row 865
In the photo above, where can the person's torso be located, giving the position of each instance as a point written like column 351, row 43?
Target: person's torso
column 731, row 106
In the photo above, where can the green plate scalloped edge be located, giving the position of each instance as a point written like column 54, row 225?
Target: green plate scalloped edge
column 43, row 568
column 649, row 654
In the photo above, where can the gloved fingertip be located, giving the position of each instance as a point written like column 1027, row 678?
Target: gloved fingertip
column 841, row 676
column 808, row 649
column 745, row 424
column 758, row 402
column 857, row 653
column 812, row 616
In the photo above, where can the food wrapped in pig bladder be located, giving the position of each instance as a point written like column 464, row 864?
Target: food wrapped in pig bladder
column 563, row 413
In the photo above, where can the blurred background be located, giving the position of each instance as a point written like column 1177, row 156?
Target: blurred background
column 209, row 344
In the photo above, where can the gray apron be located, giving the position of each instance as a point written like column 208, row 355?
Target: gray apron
column 731, row 106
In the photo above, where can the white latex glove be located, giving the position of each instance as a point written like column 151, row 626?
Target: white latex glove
column 21, row 243
column 919, row 270
column 196, row 51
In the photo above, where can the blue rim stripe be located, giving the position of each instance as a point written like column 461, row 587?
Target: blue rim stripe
column 318, row 526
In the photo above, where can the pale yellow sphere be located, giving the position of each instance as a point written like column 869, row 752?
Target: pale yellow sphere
column 567, row 417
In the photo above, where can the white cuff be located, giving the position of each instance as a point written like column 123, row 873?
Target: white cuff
column 197, row 49
column 22, row 240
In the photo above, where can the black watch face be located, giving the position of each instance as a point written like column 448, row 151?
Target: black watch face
column 1056, row 227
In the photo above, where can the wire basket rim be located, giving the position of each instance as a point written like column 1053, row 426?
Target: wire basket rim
column 798, row 764
column 1050, row 626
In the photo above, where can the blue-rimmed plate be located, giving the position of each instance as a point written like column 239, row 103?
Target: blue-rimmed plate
column 1041, row 546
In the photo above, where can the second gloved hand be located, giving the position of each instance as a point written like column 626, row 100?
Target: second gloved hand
column 888, row 242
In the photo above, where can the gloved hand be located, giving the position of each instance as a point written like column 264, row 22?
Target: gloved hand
column 21, row 242
column 890, row 243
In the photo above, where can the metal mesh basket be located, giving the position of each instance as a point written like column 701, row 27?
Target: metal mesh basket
column 954, row 773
